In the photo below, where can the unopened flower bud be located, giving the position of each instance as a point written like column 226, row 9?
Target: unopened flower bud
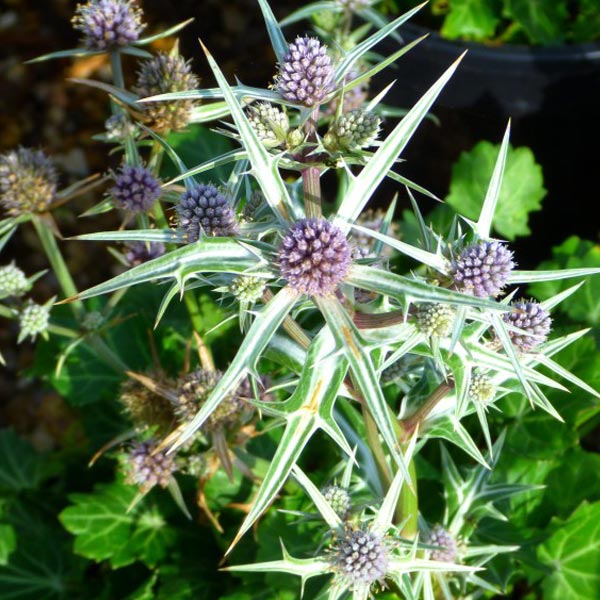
column 13, row 281
column 435, row 319
column 448, row 548
column 247, row 289
column 532, row 319
column 353, row 130
column 146, row 467
column 33, row 320
column 481, row 388
column 135, row 189
column 270, row 124
column 339, row 499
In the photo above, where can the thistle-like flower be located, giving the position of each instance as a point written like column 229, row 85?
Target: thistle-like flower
column 135, row 189
column 535, row 322
column 33, row 320
column 163, row 74
column 353, row 130
column 360, row 558
column 13, row 281
column 448, row 548
column 146, row 467
column 119, row 127
column 145, row 408
column 252, row 206
column 28, row 181
column 247, row 289
column 204, row 208
column 108, row 24
column 481, row 388
column 314, row 257
column 194, row 390
column 339, row 499
column 482, row 268
column 306, row 74
column 93, row 320
column 139, row 252
column 435, row 319
column 270, row 124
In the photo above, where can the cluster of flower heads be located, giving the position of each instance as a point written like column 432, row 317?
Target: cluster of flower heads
column 314, row 257
column 162, row 74
column 306, row 74
column 108, row 24
column 204, row 210
column 28, row 181
column 135, row 189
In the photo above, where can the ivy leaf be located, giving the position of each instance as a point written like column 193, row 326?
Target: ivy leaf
column 572, row 553
column 471, row 20
column 521, row 193
column 584, row 304
column 104, row 529
column 544, row 22
column 21, row 467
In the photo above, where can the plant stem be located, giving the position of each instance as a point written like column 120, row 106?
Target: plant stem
column 57, row 262
column 310, row 176
column 407, row 510
column 117, row 70
column 193, row 308
column 423, row 411
column 376, row 448
column 378, row 320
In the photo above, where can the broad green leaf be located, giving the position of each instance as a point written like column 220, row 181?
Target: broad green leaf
column 21, row 467
column 521, row 190
column 543, row 22
column 104, row 530
column 471, row 20
column 195, row 146
column 572, row 554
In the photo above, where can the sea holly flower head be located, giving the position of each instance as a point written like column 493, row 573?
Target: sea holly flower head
column 203, row 209
column 360, row 558
column 136, row 253
column 482, row 268
column 108, row 24
column 481, row 388
column 314, row 257
column 147, row 467
column 135, row 189
column 146, row 408
column 448, row 548
column 339, row 499
column 118, row 127
column 162, row 74
column 247, row 289
column 354, row 130
column 28, row 181
column 532, row 319
column 306, row 73
column 33, row 320
column 270, row 123
column 435, row 320
column 13, row 282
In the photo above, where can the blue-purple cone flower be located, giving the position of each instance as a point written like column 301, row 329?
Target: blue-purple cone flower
column 135, row 189
column 314, row 257
column 535, row 322
column 482, row 268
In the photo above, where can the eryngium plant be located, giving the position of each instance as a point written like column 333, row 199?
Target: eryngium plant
column 336, row 320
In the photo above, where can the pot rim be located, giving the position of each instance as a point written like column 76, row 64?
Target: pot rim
column 512, row 52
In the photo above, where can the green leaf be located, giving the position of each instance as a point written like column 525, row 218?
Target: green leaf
column 584, row 304
column 521, row 192
column 8, row 542
column 104, row 529
column 587, row 24
column 544, row 22
column 573, row 555
column 195, row 146
column 21, row 467
column 471, row 20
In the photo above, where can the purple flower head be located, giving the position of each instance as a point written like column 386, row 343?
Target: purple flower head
column 482, row 268
column 314, row 257
column 108, row 24
column 306, row 74
column 448, row 548
column 205, row 208
column 28, row 181
column 166, row 73
column 360, row 558
column 146, row 468
column 535, row 322
column 135, row 189
column 139, row 252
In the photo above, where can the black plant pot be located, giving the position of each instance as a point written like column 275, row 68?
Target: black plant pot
column 553, row 96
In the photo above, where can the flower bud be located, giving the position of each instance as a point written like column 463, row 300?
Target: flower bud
column 435, row 320
column 270, row 124
column 135, row 189
column 13, row 281
column 33, row 320
column 339, row 499
column 481, row 388
column 247, row 289
column 353, row 130
column 145, row 467
column 448, row 548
